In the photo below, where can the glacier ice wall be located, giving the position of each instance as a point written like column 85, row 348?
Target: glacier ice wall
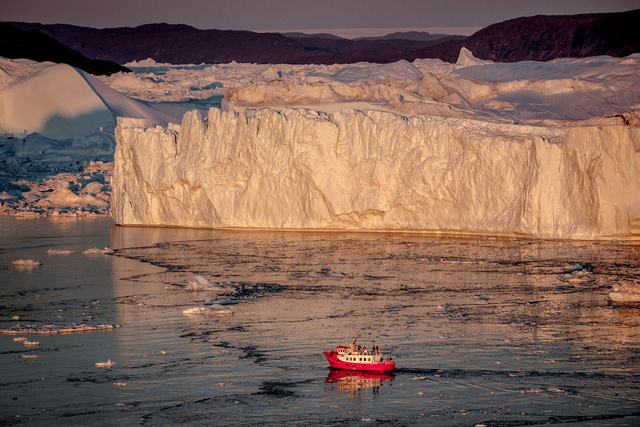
column 372, row 170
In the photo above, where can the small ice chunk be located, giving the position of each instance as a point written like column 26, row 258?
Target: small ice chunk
column 200, row 283
column 49, row 329
column 202, row 280
column 195, row 310
column 96, row 251
column 60, row 252
column 212, row 310
column 577, row 276
column 107, row 364
column 625, row 290
column 93, row 188
column 25, row 263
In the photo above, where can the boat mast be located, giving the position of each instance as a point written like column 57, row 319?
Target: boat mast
column 353, row 343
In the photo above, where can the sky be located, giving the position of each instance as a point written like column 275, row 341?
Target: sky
column 363, row 16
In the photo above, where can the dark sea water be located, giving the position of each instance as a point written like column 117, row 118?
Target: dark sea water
column 483, row 330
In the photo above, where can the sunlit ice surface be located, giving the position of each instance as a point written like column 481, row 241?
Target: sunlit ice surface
column 483, row 330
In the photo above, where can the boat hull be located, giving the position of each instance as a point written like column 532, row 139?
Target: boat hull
column 334, row 362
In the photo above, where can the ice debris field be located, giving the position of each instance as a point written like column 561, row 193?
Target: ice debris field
column 529, row 148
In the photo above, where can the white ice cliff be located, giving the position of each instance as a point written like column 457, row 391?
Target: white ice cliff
column 374, row 170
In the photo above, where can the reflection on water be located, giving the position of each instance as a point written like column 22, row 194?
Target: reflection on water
column 133, row 237
column 483, row 330
column 354, row 381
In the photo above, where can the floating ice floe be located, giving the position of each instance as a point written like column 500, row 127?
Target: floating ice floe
column 212, row 310
column 118, row 384
column 200, row 283
column 27, row 263
column 578, row 276
column 28, row 343
column 84, row 193
column 95, row 251
column 29, row 356
column 625, row 291
column 107, row 364
column 55, row 329
column 60, row 252
column 20, row 339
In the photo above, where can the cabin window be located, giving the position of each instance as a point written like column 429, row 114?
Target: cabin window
column 361, row 359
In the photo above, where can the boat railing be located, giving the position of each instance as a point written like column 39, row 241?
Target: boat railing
column 362, row 353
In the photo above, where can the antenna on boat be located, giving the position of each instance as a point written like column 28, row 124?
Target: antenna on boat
column 355, row 339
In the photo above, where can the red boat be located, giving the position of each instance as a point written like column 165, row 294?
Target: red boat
column 356, row 358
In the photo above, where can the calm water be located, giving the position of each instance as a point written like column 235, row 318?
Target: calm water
column 482, row 330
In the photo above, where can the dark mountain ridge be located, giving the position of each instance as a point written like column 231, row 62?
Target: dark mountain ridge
column 538, row 38
column 33, row 44
column 543, row 38
column 412, row 35
column 182, row 44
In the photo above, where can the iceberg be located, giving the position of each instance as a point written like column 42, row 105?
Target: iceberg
column 466, row 59
column 375, row 170
column 55, row 102
column 61, row 102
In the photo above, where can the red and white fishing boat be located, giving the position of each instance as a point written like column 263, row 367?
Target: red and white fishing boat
column 356, row 358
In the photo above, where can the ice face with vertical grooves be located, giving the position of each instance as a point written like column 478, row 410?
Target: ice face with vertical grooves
column 373, row 170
